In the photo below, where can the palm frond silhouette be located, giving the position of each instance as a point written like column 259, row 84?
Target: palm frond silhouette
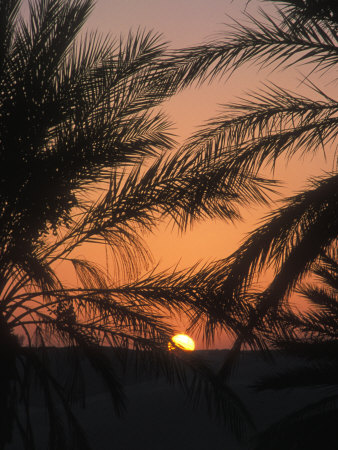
column 85, row 159
column 302, row 32
column 255, row 133
column 312, row 336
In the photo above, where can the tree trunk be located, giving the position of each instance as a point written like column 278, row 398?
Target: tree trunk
column 9, row 347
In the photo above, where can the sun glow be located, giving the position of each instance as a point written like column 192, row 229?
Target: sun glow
column 183, row 342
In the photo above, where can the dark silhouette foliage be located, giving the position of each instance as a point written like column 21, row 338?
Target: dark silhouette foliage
column 85, row 159
column 298, row 237
column 312, row 337
column 257, row 131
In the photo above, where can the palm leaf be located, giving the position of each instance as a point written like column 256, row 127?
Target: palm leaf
column 310, row 11
column 291, row 239
column 266, row 41
column 310, row 336
column 266, row 125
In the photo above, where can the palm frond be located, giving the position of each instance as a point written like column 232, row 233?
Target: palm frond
column 327, row 270
column 196, row 380
column 177, row 188
column 290, row 240
column 319, row 297
column 124, row 317
column 70, row 434
column 265, row 125
column 312, row 11
column 266, row 41
column 87, row 119
column 87, row 116
column 8, row 13
column 311, row 336
column 316, row 326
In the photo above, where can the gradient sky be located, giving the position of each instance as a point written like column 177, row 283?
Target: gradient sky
column 184, row 23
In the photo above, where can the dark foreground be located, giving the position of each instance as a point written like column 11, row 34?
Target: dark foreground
column 159, row 416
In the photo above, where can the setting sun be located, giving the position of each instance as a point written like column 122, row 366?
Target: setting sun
column 183, row 342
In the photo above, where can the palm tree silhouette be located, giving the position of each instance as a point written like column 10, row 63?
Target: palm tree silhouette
column 257, row 131
column 85, row 159
column 313, row 337
column 295, row 239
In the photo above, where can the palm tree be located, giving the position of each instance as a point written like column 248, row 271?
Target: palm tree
column 85, row 159
column 313, row 337
column 257, row 131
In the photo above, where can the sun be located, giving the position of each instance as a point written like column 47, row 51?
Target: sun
column 183, row 342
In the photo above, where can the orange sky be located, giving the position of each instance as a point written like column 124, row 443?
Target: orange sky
column 188, row 22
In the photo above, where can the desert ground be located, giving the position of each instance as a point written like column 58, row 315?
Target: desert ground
column 159, row 416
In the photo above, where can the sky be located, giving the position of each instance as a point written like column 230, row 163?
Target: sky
column 184, row 23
